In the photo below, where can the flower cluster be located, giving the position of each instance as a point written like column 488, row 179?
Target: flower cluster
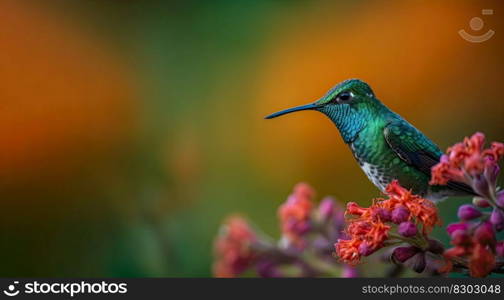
column 304, row 249
column 401, row 223
column 233, row 247
column 474, row 238
column 475, row 248
column 401, row 218
column 295, row 213
column 469, row 163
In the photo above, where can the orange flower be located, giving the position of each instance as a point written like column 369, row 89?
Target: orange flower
column 450, row 254
column 466, row 159
column 232, row 248
column 481, row 262
column 444, row 171
column 481, row 259
column 377, row 235
column 368, row 229
column 422, row 209
column 348, row 251
column 366, row 236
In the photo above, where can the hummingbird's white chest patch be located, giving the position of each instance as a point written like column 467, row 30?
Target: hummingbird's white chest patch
column 375, row 175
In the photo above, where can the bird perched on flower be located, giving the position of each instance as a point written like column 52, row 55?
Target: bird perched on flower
column 385, row 145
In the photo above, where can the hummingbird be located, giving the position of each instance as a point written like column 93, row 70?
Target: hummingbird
column 385, row 145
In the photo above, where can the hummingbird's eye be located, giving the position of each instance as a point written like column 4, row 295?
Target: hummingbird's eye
column 344, row 97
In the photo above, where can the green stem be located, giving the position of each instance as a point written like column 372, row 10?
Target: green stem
column 322, row 266
column 493, row 198
column 418, row 241
column 402, row 238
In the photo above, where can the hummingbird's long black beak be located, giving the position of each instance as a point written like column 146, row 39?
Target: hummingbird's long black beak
column 294, row 109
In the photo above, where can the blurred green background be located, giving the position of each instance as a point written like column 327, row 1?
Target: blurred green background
column 129, row 129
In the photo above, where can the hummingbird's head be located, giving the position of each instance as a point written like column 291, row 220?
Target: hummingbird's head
column 349, row 105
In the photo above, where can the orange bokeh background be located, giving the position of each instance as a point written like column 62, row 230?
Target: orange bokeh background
column 66, row 100
column 130, row 129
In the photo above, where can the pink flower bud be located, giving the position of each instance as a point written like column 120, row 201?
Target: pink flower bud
column 468, row 212
column 497, row 219
column 327, row 209
column 365, row 249
column 481, row 202
column 460, row 238
column 500, row 199
column 349, row 272
column 383, row 214
column 499, row 249
column 407, row 229
column 484, row 234
column 402, row 254
column 400, row 214
column 268, row 269
column 456, row 226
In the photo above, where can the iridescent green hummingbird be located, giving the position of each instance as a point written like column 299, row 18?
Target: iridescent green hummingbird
column 384, row 144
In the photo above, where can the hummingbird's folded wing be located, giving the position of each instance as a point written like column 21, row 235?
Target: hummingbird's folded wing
column 417, row 150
